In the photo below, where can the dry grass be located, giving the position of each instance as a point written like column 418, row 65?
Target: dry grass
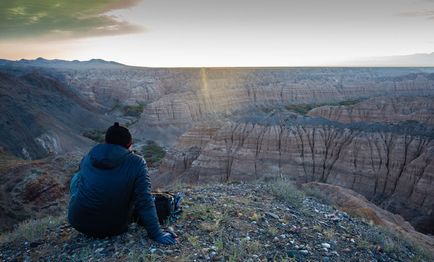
column 286, row 190
column 31, row 230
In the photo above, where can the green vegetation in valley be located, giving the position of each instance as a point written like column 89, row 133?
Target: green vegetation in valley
column 153, row 153
column 96, row 135
column 303, row 109
column 133, row 110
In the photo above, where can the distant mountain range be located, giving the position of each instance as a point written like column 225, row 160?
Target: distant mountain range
column 57, row 63
column 414, row 60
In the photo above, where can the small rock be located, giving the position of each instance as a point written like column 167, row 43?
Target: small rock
column 99, row 250
column 152, row 250
column 304, row 252
column 272, row 215
column 335, row 253
column 291, row 253
column 325, row 245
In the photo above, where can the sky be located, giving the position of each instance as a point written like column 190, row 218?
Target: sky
column 206, row 33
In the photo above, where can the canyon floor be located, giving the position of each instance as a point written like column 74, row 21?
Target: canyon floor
column 226, row 222
column 363, row 137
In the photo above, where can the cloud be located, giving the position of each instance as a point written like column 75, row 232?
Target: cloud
column 424, row 13
column 63, row 18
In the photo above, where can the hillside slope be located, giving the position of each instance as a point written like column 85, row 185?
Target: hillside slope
column 230, row 222
column 41, row 116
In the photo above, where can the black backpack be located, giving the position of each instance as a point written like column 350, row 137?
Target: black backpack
column 168, row 206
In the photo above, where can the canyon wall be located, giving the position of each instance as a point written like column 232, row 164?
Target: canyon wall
column 391, row 164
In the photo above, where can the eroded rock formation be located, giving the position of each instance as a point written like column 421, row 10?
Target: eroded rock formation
column 235, row 124
column 392, row 165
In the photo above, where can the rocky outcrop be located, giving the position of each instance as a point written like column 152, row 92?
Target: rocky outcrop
column 357, row 205
column 389, row 165
column 381, row 109
column 222, row 92
column 240, row 222
column 34, row 189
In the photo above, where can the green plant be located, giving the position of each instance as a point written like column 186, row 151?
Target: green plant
column 219, row 241
column 82, row 254
column 303, row 109
column 317, row 194
column 152, row 152
column 194, row 241
column 96, row 135
column 285, row 190
column 133, row 110
column 329, row 234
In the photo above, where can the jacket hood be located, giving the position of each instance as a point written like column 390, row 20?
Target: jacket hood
column 108, row 156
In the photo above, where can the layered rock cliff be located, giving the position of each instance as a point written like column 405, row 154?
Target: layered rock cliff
column 382, row 109
column 391, row 164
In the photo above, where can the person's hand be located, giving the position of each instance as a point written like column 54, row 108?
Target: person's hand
column 166, row 239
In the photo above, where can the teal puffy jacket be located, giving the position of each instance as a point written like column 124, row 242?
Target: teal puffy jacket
column 111, row 185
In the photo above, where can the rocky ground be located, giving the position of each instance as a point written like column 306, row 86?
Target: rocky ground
column 231, row 222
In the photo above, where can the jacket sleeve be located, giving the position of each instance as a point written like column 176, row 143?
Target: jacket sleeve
column 73, row 187
column 144, row 203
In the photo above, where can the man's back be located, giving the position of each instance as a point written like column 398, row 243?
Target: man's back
column 106, row 187
column 112, row 186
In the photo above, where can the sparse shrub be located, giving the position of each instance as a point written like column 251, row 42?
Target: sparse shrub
column 96, row 135
column 272, row 231
column 301, row 109
column 218, row 241
column 349, row 102
column 329, row 234
column 285, row 190
column 82, row 254
column 392, row 242
column 31, row 230
column 317, row 194
column 153, row 153
column 133, row 110
column 194, row 241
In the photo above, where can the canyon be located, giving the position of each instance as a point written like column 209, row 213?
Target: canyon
column 370, row 130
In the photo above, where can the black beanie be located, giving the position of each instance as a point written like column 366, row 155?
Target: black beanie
column 118, row 135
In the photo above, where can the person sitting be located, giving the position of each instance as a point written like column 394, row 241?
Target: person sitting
column 111, row 187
